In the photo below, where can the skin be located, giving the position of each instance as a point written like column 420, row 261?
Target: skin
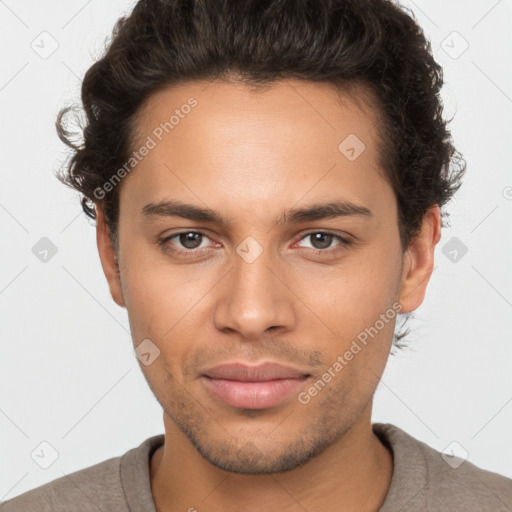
column 251, row 156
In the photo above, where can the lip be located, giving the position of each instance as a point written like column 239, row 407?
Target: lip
column 253, row 373
column 253, row 387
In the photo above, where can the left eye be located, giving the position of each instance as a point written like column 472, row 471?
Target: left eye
column 321, row 240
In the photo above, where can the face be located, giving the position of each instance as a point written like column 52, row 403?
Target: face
column 270, row 274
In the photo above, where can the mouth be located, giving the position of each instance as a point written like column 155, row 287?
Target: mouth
column 253, row 387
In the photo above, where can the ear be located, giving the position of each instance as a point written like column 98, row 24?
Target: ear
column 419, row 261
column 107, row 257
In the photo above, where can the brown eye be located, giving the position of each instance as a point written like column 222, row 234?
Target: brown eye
column 325, row 242
column 190, row 240
column 321, row 240
column 185, row 243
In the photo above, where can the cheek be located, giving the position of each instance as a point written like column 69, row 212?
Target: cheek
column 150, row 298
column 147, row 285
column 353, row 295
column 165, row 302
column 355, row 301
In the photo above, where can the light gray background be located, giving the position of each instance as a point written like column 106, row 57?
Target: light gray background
column 68, row 375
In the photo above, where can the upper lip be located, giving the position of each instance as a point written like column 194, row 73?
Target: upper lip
column 262, row 372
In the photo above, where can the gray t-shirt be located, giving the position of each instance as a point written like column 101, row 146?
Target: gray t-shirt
column 422, row 481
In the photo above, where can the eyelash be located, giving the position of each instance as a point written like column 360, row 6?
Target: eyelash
column 344, row 242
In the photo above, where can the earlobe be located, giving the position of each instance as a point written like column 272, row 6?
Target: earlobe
column 108, row 257
column 419, row 261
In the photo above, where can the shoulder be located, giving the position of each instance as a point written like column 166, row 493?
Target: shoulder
column 108, row 485
column 88, row 489
column 426, row 479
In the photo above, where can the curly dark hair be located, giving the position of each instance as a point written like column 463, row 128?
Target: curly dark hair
column 374, row 44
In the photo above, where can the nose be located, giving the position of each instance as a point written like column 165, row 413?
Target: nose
column 255, row 297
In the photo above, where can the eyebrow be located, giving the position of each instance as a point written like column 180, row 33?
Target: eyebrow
column 312, row 212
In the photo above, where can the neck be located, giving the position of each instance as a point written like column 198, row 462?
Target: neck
column 353, row 473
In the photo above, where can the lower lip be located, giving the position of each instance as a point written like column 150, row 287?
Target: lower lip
column 253, row 395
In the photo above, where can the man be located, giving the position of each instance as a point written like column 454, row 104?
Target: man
column 267, row 179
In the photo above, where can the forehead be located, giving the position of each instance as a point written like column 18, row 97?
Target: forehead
column 291, row 107
column 225, row 144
